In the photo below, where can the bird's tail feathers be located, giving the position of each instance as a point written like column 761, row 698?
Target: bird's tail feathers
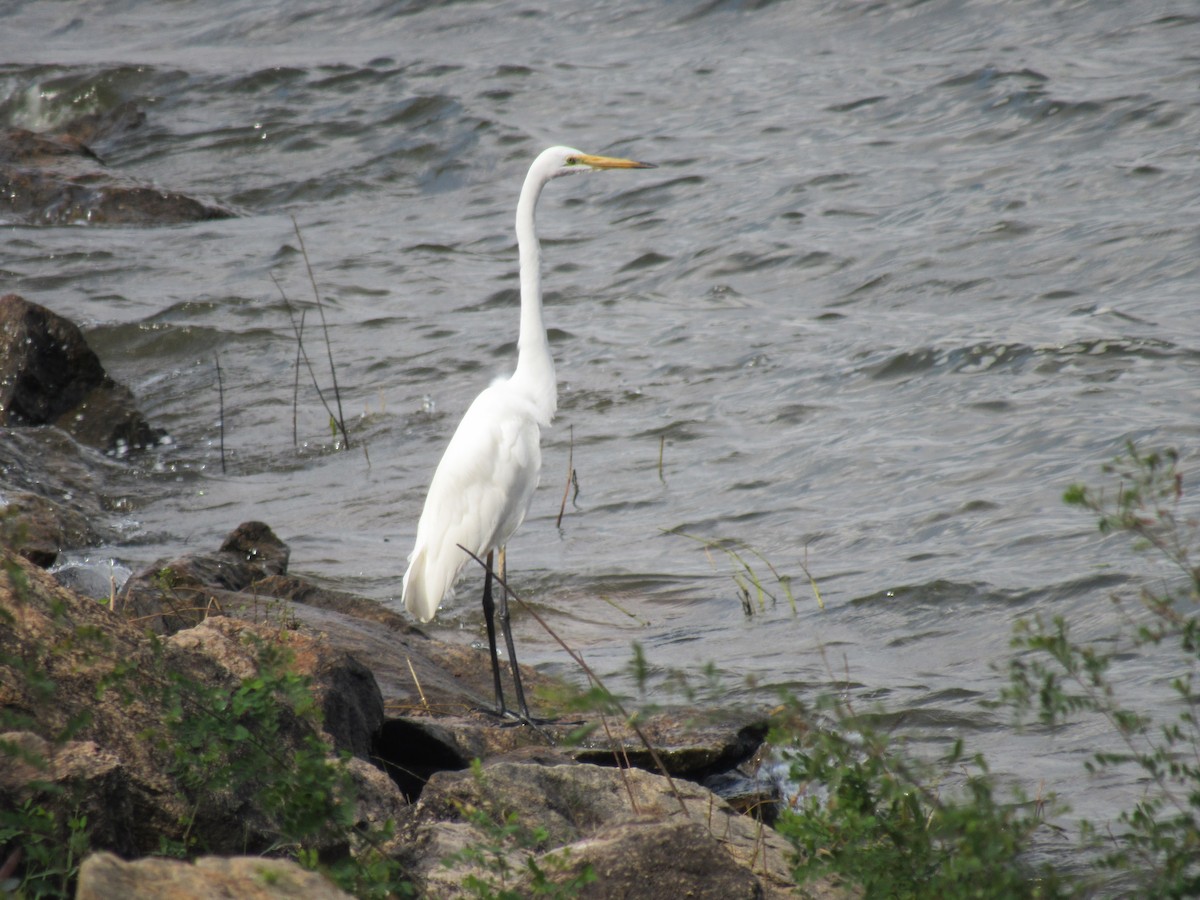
column 416, row 596
column 425, row 585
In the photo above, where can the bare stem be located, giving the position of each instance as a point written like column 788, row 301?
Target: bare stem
column 337, row 396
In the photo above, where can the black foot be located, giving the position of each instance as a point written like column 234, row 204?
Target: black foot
column 510, row 719
column 507, row 716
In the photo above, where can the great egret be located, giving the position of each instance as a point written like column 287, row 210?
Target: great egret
column 484, row 484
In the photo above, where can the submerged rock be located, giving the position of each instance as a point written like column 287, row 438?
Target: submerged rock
column 59, row 180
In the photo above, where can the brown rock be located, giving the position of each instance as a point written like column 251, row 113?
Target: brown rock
column 256, row 543
column 104, row 876
column 59, row 180
column 92, row 781
column 663, row 859
column 56, row 649
column 168, row 596
column 352, row 708
column 593, row 813
column 70, row 666
column 42, row 528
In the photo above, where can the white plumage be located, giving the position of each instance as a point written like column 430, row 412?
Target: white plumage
column 485, row 482
column 479, row 495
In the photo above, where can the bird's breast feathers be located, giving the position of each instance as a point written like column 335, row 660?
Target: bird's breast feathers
column 485, row 482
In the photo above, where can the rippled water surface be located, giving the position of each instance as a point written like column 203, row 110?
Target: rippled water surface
column 906, row 270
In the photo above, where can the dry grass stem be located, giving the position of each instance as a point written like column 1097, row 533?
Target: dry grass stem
column 417, row 682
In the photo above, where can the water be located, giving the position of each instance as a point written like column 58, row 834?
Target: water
column 905, row 272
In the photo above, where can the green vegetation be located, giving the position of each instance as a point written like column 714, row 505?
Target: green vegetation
column 43, row 837
column 891, row 826
column 894, row 827
column 233, row 744
column 52, row 846
column 1155, row 846
column 258, row 743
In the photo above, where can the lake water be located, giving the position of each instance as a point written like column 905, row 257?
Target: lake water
column 905, row 271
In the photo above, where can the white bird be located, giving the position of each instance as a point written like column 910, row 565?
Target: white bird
column 484, row 484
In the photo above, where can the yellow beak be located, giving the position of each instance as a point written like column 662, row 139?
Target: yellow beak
column 612, row 162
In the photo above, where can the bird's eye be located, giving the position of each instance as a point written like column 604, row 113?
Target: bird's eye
column 572, row 160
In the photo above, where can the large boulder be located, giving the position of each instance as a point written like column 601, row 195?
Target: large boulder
column 50, row 376
column 643, row 835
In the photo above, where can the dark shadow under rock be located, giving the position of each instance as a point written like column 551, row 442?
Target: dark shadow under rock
column 411, row 751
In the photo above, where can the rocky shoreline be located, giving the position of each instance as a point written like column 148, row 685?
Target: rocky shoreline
column 96, row 730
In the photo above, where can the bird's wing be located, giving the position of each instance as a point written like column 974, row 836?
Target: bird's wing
column 479, row 494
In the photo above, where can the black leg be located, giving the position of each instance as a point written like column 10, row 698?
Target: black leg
column 489, row 610
column 508, row 640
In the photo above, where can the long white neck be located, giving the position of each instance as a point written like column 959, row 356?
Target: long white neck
column 535, row 365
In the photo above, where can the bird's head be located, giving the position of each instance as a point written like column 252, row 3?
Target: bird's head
column 557, row 161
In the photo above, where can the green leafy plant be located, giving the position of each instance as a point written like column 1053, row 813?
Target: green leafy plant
column 43, row 835
column 891, row 826
column 49, row 845
column 233, row 742
column 1155, row 846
